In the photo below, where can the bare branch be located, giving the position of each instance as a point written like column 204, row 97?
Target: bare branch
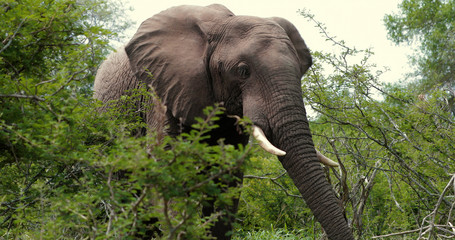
column 15, row 95
column 438, row 204
column 431, row 227
column 397, row 234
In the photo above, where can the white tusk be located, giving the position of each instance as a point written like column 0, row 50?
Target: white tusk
column 326, row 161
column 259, row 135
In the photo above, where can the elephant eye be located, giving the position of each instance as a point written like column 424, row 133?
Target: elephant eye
column 243, row 70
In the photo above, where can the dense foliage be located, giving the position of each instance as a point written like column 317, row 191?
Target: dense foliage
column 49, row 52
column 69, row 172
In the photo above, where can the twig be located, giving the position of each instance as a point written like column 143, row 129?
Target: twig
column 68, row 81
column 166, row 214
column 429, row 229
column 111, row 191
column 435, row 211
column 324, row 30
column 399, row 233
column 136, row 203
column 274, row 181
column 13, row 36
column 5, row 127
column 15, row 95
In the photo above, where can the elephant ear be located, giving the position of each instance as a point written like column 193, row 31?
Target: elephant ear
column 299, row 44
column 169, row 52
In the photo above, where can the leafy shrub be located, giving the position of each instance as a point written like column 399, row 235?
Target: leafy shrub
column 121, row 186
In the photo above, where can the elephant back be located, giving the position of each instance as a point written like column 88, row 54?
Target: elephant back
column 114, row 77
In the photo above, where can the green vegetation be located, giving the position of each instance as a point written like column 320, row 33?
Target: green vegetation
column 395, row 142
column 271, row 234
column 431, row 24
column 68, row 172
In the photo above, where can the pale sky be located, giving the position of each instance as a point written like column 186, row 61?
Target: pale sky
column 357, row 22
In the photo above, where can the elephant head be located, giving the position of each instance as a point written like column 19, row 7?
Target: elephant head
column 195, row 57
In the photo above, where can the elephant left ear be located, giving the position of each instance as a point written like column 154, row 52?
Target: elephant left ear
column 299, row 44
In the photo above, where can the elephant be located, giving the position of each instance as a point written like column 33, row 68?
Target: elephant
column 193, row 57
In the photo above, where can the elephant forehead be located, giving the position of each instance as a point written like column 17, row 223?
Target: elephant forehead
column 245, row 27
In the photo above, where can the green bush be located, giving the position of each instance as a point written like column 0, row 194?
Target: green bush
column 119, row 186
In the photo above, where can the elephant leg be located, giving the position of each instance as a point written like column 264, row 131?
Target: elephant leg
column 222, row 228
column 231, row 134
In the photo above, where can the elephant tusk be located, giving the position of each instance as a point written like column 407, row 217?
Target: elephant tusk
column 259, row 135
column 326, row 161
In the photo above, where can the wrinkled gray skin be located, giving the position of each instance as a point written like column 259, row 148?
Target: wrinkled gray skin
column 200, row 56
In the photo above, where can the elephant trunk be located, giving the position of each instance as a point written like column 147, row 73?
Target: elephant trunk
column 290, row 132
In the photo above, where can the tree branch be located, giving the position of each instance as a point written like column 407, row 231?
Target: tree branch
column 12, row 36
column 15, row 95
column 274, row 181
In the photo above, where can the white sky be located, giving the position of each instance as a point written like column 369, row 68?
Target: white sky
column 358, row 22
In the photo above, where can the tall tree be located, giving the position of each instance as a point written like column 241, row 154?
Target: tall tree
column 432, row 24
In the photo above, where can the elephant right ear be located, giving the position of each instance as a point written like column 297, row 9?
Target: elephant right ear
column 302, row 50
column 170, row 53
